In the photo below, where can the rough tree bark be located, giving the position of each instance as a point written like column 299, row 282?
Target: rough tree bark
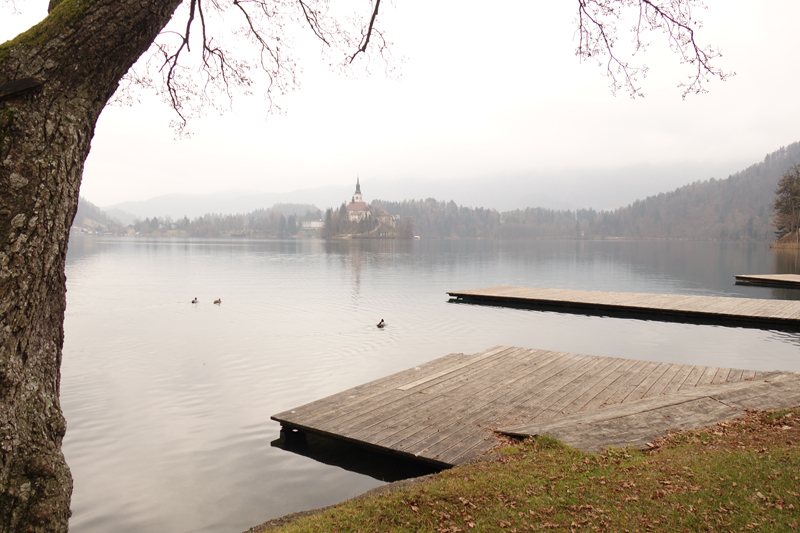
column 76, row 57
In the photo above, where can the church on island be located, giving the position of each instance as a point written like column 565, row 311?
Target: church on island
column 358, row 210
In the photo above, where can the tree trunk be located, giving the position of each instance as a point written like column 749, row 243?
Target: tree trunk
column 76, row 57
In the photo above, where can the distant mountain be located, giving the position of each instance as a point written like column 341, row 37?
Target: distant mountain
column 226, row 202
column 91, row 218
column 736, row 208
column 568, row 189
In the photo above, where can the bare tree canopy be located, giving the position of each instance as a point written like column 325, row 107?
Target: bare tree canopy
column 55, row 80
column 598, row 36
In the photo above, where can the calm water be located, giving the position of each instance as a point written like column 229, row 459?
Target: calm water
column 168, row 403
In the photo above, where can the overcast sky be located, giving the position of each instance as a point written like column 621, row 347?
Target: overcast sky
column 486, row 91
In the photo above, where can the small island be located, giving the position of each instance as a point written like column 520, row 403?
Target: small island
column 357, row 219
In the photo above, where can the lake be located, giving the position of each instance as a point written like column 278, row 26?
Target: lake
column 168, row 402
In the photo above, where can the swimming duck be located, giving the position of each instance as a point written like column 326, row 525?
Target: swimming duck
column 194, row 301
column 218, row 301
column 381, row 324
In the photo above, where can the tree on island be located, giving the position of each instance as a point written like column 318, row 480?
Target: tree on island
column 56, row 78
column 787, row 204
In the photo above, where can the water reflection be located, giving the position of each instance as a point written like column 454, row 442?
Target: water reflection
column 786, row 261
column 789, row 337
column 358, row 459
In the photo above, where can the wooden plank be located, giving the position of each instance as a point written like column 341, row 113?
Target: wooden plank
column 449, row 412
column 407, row 405
column 446, row 371
column 693, row 378
column 747, row 311
column 532, row 401
column 657, row 388
column 791, row 281
column 735, row 375
column 633, row 381
column 346, row 406
column 396, row 416
column 470, row 409
column 604, row 397
column 601, row 383
column 678, row 379
column 708, row 376
column 469, row 404
column 327, row 407
column 647, row 383
column 559, row 401
column 453, row 390
column 721, row 376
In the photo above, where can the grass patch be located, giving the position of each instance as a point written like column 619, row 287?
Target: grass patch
column 742, row 475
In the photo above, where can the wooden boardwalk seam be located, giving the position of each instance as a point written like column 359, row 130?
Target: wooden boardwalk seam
column 448, row 411
column 714, row 309
column 638, row 423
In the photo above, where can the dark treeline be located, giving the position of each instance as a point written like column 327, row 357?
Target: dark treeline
column 442, row 220
column 260, row 223
column 736, row 208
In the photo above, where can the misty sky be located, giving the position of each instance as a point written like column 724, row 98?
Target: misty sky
column 486, row 91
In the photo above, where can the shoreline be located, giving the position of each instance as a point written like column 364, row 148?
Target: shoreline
column 281, row 521
column 276, row 523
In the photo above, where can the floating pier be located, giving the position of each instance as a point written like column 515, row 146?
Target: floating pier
column 451, row 410
column 783, row 281
column 670, row 307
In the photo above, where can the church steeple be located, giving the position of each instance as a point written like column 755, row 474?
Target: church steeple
column 357, row 196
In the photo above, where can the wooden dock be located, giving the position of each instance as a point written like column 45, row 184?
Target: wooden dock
column 449, row 410
column 672, row 307
column 783, row 281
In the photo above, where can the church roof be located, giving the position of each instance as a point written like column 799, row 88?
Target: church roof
column 357, row 206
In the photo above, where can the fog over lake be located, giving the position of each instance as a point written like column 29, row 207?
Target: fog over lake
column 168, row 402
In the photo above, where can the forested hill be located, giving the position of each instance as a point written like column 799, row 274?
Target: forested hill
column 92, row 218
column 736, row 208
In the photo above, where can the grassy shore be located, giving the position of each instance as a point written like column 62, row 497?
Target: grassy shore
column 741, row 475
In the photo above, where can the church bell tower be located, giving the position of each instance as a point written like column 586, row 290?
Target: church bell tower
column 357, row 195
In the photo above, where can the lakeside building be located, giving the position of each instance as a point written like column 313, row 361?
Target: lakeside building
column 357, row 209
column 387, row 219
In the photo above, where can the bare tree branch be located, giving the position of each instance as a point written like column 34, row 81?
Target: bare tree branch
column 313, row 21
column 365, row 38
column 597, row 37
